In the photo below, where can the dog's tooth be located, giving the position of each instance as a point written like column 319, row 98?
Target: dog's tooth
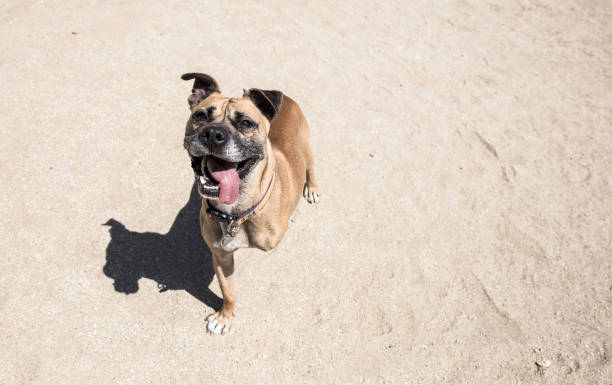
column 202, row 180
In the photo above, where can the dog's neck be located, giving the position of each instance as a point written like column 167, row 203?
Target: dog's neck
column 253, row 186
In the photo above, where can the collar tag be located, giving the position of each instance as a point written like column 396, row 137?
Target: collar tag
column 232, row 228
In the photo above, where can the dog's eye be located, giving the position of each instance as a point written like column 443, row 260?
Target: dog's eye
column 199, row 116
column 245, row 123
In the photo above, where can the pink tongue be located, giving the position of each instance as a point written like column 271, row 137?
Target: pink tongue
column 225, row 173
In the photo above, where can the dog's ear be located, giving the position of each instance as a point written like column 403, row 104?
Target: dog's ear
column 268, row 102
column 203, row 86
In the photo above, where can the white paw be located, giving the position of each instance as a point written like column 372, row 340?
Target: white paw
column 311, row 194
column 218, row 323
column 313, row 197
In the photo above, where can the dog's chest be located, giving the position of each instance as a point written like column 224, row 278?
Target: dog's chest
column 229, row 243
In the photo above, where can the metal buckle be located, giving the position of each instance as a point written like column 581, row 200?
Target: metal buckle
column 231, row 228
column 231, row 232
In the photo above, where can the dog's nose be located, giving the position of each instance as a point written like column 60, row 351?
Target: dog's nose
column 214, row 135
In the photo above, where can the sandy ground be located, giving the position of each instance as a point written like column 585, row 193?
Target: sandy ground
column 464, row 153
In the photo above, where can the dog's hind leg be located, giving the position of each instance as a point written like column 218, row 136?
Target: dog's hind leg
column 311, row 189
column 223, row 264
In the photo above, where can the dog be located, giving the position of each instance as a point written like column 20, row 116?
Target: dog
column 252, row 160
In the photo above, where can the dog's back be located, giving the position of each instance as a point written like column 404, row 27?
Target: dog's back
column 289, row 136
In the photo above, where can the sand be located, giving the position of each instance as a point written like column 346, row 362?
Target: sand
column 464, row 155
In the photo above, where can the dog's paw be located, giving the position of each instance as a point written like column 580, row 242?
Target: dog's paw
column 311, row 194
column 218, row 323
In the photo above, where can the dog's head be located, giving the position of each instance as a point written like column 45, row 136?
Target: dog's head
column 226, row 137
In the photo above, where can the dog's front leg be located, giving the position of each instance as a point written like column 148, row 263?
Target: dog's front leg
column 223, row 264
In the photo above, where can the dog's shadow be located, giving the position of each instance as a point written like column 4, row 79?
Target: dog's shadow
column 178, row 260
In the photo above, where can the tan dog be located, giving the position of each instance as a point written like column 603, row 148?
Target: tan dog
column 251, row 158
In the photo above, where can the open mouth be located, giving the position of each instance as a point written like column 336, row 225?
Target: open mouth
column 219, row 178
